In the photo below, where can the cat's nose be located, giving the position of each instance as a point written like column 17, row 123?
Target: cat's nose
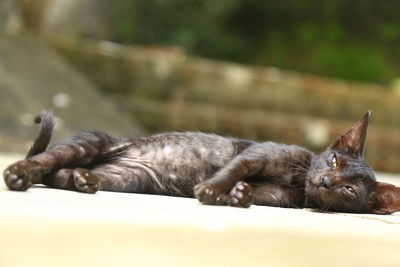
column 324, row 181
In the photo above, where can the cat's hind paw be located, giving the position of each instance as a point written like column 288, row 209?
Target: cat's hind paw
column 85, row 181
column 18, row 176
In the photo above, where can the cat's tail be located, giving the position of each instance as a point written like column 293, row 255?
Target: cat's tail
column 46, row 120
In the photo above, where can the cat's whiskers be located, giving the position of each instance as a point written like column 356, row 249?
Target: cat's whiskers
column 301, row 170
column 302, row 164
column 324, row 209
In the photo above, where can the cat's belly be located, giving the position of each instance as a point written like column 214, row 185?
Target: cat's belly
column 157, row 177
column 175, row 165
column 176, row 177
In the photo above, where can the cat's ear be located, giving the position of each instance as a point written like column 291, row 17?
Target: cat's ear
column 352, row 142
column 385, row 198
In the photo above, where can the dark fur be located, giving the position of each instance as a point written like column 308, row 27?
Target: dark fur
column 216, row 170
column 41, row 142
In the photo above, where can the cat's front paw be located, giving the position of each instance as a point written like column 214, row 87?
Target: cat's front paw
column 18, row 176
column 207, row 194
column 240, row 195
column 85, row 181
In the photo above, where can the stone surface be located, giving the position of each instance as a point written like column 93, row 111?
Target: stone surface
column 11, row 20
column 77, row 18
column 48, row 227
column 34, row 77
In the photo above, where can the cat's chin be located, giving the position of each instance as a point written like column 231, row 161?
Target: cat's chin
column 314, row 195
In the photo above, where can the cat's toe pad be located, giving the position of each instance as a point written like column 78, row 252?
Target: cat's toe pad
column 85, row 181
column 17, row 176
column 240, row 195
column 206, row 193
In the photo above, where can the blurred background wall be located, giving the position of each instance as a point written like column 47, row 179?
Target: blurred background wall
column 290, row 71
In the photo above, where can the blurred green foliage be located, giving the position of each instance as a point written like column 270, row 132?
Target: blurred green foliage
column 355, row 39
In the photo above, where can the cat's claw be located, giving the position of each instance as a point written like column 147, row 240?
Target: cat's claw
column 18, row 176
column 239, row 196
column 85, row 181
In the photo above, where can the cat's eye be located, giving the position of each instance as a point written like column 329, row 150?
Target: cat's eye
column 350, row 189
column 334, row 161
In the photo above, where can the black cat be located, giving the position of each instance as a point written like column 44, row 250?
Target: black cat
column 216, row 170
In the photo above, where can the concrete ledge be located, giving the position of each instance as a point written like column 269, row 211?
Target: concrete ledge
column 49, row 227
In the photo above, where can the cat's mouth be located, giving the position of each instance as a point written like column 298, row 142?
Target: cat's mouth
column 315, row 193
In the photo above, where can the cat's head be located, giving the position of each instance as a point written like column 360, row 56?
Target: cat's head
column 340, row 180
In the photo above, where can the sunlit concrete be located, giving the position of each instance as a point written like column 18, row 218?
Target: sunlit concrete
column 49, row 227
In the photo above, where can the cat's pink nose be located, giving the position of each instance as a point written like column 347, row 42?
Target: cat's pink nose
column 324, row 181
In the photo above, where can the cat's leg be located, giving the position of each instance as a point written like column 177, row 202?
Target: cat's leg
column 250, row 162
column 132, row 177
column 120, row 178
column 77, row 179
column 278, row 195
column 61, row 179
column 259, row 160
column 79, row 150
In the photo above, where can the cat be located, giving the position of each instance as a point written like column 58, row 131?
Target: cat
column 214, row 169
